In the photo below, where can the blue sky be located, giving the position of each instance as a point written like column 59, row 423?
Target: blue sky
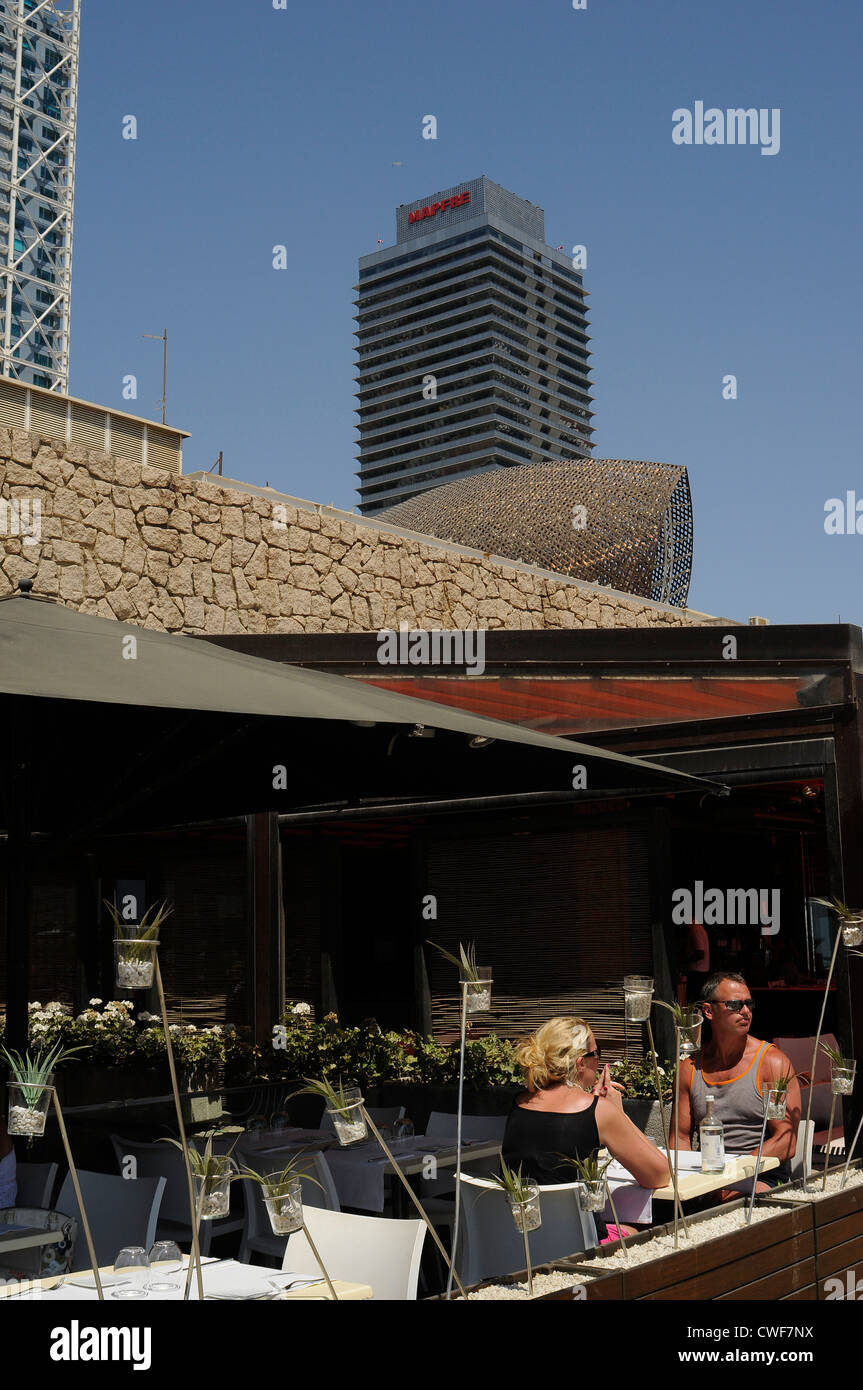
column 259, row 127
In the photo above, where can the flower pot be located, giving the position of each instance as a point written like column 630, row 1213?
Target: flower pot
column 638, row 996
column 852, row 931
column 134, row 962
column 593, row 1195
column 842, row 1078
column 213, row 1193
column 349, row 1122
column 775, row 1102
column 479, row 991
column 526, row 1213
column 28, row 1108
column 284, row 1204
column 690, row 1033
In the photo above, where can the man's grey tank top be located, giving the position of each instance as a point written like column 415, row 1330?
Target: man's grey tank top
column 737, row 1103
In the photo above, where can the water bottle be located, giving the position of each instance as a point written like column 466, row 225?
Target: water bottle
column 712, row 1137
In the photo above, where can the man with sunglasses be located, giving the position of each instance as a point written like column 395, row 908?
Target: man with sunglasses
column 736, row 1069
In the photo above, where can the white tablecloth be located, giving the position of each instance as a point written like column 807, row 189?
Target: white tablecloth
column 226, row 1278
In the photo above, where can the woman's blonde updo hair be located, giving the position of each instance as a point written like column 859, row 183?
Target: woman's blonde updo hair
column 550, row 1054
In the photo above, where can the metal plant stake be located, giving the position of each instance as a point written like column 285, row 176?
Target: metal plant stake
column 73, row 1174
column 195, row 1260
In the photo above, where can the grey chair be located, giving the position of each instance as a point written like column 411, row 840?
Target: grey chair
column 490, row 1245
column 258, row 1235
column 35, row 1184
column 161, row 1160
column 120, row 1211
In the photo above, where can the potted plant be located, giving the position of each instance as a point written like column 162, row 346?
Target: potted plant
column 522, row 1195
column 213, row 1175
column 638, row 996
column 850, row 922
column 344, row 1106
column 135, row 945
column 477, row 978
column 31, row 1088
column 775, row 1096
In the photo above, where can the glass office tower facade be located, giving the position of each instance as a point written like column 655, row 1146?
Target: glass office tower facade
column 38, row 110
column 473, row 346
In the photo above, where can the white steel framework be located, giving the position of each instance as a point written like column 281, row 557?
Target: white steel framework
column 39, row 41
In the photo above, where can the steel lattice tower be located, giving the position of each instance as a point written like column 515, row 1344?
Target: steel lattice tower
column 39, row 42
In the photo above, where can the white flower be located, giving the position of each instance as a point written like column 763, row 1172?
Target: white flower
column 661, row 1070
column 99, row 1025
column 302, row 1009
column 175, row 1028
column 94, row 1002
column 35, row 1005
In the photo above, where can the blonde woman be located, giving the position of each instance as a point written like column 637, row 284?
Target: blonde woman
column 568, row 1109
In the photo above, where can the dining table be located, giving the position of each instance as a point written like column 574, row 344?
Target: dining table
column 223, row 1280
column 635, row 1203
column 361, row 1170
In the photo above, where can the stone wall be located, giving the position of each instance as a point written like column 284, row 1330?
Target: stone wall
column 186, row 555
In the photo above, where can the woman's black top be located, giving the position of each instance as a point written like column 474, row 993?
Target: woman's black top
column 535, row 1139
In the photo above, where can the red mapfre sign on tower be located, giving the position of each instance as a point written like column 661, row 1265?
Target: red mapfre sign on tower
column 457, row 201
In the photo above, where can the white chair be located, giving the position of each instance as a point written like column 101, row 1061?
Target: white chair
column 257, row 1232
column 803, row 1151
column 373, row 1250
column 490, row 1245
column 799, row 1052
column 381, row 1115
column 121, row 1211
column 35, row 1184
column 161, row 1160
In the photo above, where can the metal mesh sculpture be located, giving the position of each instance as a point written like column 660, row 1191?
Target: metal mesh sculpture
column 616, row 522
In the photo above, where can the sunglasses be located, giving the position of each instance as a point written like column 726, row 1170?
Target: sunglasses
column 597, row 1052
column 733, row 1006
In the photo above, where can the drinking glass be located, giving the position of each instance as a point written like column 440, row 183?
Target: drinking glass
column 131, row 1262
column 165, row 1258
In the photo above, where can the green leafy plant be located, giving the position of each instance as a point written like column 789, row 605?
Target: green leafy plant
column 335, row 1098
column 513, row 1183
column 32, row 1073
column 465, row 961
column 210, row 1168
column 841, row 909
column 591, row 1169
column 636, row 1076
column 781, row 1082
column 683, row 1014
column 146, row 930
column 836, row 1058
column 274, row 1184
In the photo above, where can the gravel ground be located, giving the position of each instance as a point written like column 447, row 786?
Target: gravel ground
column 855, row 1178
column 725, row 1223
column 542, row 1284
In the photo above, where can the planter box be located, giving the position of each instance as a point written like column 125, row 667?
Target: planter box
column 80, row 1086
column 837, row 1228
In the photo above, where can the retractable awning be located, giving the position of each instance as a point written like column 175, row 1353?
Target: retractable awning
column 123, row 726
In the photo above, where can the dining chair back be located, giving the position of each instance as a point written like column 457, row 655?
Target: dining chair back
column 799, row 1052
column 161, row 1160
column 443, row 1125
column 120, row 1211
column 490, row 1245
column 373, row 1250
column 316, row 1183
column 35, row 1183
column 801, row 1163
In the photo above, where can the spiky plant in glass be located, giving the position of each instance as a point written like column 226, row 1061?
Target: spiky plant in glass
column 344, row 1105
column 522, row 1194
column 478, row 982
column 775, row 1094
column 135, row 944
column 30, row 1087
column 282, row 1194
column 213, row 1173
column 843, row 1069
column 851, row 922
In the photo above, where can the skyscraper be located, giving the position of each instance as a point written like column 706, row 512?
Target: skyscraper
column 473, row 345
column 38, row 112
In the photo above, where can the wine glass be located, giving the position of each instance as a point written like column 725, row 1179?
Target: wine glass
column 165, row 1258
column 131, row 1262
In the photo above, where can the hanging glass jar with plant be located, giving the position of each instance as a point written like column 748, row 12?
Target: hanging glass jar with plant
column 522, row 1196
column 850, row 922
column 638, row 996
column 135, row 945
column 31, row 1088
column 477, row 978
column 212, row 1175
column 344, row 1105
column 282, row 1194
column 775, row 1095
